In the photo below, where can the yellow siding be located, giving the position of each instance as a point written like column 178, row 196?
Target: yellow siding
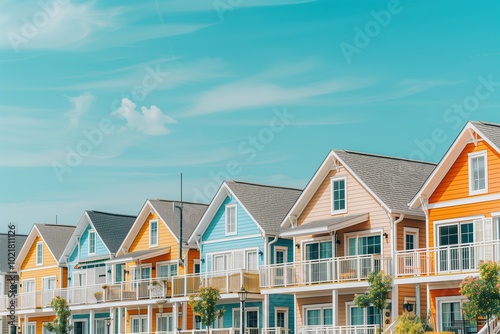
column 30, row 260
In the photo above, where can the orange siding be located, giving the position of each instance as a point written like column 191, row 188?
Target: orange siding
column 39, row 322
column 408, row 290
column 441, row 293
column 455, row 184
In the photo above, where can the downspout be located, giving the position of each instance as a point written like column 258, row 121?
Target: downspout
column 394, row 229
column 269, row 247
column 267, row 297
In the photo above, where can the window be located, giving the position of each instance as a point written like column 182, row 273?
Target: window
column 39, row 253
column 31, row 328
column 339, row 200
column 79, row 327
column 100, row 326
column 165, row 323
column 238, row 259
column 252, row 260
column 230, row 219
column 281, row 317
column 92, row 242
column 319, row 315
column 197, row 266
column 153, row 233
column 251, row 318
column 167, row 270
column 139, row 325
column 363, row 245
column 362, row 316
column 197, row 322
column 478, row 173
column 449, row 311
column 280, row 255
column 456, row 258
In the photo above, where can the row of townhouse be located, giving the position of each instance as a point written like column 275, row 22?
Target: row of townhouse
column 301, row 255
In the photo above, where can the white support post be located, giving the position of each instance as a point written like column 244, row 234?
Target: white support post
column 184, row 315
column 265, row 311
column 149, row 317
column 175, row 313
column 112, row 321
column 335, row 307
column 394, row 302
column 417, row 300
column 91, row 321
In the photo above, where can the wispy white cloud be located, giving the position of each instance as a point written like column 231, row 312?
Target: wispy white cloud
column 203, row 5
column 242, row 95
column 81, row 105
column 150, row 121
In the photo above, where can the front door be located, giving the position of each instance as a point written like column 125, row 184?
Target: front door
column 79, row 327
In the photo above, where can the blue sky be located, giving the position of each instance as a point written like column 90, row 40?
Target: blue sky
column 103, row 105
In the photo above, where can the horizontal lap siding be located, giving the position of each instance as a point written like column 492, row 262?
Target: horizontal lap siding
column 193, row 254
column 280, row 301
column 408, row 290
column 39, row 322
column 284, row 243
column 416, row 224
column 165, row 237
column 30, row 260
column 327, row 299
column 358, row 201
column 455, row 184
column 440, row 293
column 100, row 248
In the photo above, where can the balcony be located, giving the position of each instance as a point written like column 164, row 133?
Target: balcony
column 229, row 281
column 92, row 294
column 359, row 329
column 445, row 260
column 333, row 270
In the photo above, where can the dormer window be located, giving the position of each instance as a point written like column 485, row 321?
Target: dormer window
column 91, row 242
column 39, row 253
column 153, row 233
column 339, row 195
column 478, row 173
column 231, row 219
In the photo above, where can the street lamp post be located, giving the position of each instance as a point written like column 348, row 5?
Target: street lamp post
column 243, row 297
column 108, row 323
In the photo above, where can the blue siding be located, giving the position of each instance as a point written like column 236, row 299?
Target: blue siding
column 282, row 243
column 228, row 315
column 86, row 317
column 278, row 301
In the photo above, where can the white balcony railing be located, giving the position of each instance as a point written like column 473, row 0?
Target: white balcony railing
column 452, row 259
column 360, row 329
column 221, row 331
column 227, row 281
column 92, row 294
column 333, row 270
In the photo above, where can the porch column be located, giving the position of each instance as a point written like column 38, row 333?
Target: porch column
column 91, row 322
column 265, row 312
column 175, row 315
column 335, row 307
column 24, row 328
column 184, row 315
column 112, row 316
column 417, row 299
column 119, row 320
column 394, row 303
column 149, row 328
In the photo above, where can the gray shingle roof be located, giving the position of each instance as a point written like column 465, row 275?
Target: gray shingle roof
column 111, row 227
column 394, row 180
column 191, row 215
column 19, row 242
column 56, row 237
column 268, row 205
column 490, row 130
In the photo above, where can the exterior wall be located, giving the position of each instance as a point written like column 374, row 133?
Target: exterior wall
column 440, row 293
column 281, row 301
column 282, row 243
column 30, row 260
column 408, row 290
column 416, row 224
column 39, row 322
column 230, row 307
column 165, row 237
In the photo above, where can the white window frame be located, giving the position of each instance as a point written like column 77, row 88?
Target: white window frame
column 164, row 315
column 49, row 277
column 169, row 264
column 365, row 233
column 38, row 253
column 26, row 281
column 349, row 305
column 28, row 324
column 410, row 231
column 247, row 309
column 448, row 299
column 332, row 181
column 140, row 318
column 153, row 244
column 90, row 252
column 321, row 307
column 195, row 263
column 230, row 258
column 281, row 249
column 304, row 243
column 281, row 309
column 471, row 176
column 230, row 206
column 85, row 321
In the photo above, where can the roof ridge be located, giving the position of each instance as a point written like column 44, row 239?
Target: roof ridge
column 112, row 214
column 486, row 123
column 168, row 200
column 56, row 225
column 265, row 185
column 389, row 157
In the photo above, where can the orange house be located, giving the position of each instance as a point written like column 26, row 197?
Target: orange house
column 41, row 274
column 461, row 200
column 149, row 257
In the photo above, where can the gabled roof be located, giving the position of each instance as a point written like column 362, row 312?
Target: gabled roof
column 110, row 227
column 391, row 181
column 266, row 205
column 19, row 240
column 54, row 236
column 166, row 211
column 488, row 131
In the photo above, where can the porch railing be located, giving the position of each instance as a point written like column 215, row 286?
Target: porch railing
column 332, row 270
column 228, row 281
column 221, row 331
column 446, row 259
column 360, row 329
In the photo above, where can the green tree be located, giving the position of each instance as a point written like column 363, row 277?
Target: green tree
column 377, row 294
column 483, row 293
column 60, row 325
column 409, row 324
column 204, row 304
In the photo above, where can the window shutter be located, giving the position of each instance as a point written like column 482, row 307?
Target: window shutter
column 209, row 264
column 488, row 236
column 478, row 230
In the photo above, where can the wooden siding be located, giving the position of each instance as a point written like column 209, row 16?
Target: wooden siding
column 408, row 290
column 216, row 229
column 165, row 237
column 280, row 301
column 359, row 201
column 440, row 293
column 39, row 322
column 455, row 184
column 284, row 243
column 84, row 245
column 193, row 254
column 416, row 224
column 30, row 259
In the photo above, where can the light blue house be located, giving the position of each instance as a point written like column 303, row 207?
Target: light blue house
column 238, row 234
column 96, row 238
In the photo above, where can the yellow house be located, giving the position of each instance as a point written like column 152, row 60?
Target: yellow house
column 153, row 252
column 348, row 222
column 41, row 274
column 461, row 200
